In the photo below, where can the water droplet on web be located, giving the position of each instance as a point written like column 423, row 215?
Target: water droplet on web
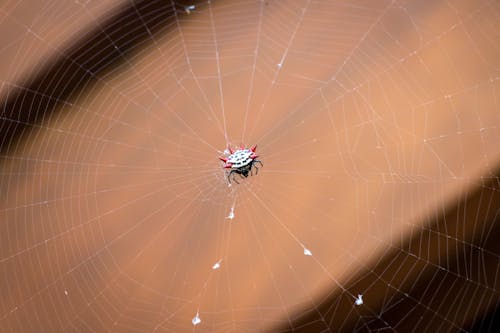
column 196, row 320
column 216, row 265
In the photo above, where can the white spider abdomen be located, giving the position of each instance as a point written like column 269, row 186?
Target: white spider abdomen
column 240, row 158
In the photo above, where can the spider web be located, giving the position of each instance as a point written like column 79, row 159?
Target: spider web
column 369, row 116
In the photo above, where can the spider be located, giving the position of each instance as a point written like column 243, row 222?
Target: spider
column 241, row 161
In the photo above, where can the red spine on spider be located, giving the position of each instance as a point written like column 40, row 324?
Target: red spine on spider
column 241, row 161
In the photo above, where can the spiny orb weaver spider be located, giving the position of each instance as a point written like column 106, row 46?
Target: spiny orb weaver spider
column 241, row 161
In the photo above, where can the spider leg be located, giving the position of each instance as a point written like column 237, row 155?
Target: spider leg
column 232, row 172
column 257, row 169
column 234, row 178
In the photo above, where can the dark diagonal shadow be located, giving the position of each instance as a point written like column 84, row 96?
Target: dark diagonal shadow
column 74, row 70
column 443, row 278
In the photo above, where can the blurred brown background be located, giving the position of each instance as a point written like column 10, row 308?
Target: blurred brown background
column 377, row 123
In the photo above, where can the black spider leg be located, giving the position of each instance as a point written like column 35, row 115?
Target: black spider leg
column 232, row 172
column 257, row 169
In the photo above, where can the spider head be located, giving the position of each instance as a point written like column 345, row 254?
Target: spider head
column 244, row 172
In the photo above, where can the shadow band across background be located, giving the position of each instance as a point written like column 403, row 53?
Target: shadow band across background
column 454, row 258
column 74, row 70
